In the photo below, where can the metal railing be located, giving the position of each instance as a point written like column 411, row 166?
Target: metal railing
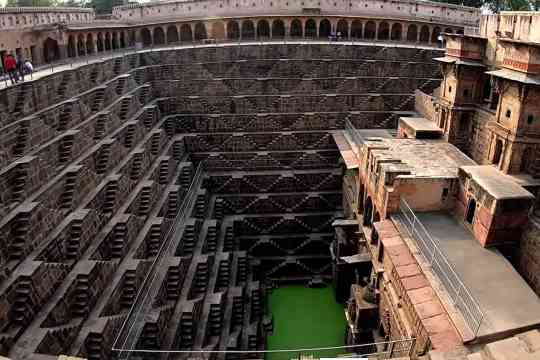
column 380, row 350
column 431, row 251
column 354, row 133
column 132, row 327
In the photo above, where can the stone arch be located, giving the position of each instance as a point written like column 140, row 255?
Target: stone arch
column 89, row 44
column 497, row 153
column 233, row 30
column 218, row 30
column 343, row 28
column 412, row 33
column 325, row 28
column 384, row 31
column 448, row 31
column 310, row 28
column 159, row 36
column 424, row 34
column 435, row 34
column 108, row 41
column 356, row 29
column 81, row 48
column 263, row 29
column 248, row 29
column 172, row 34
column 278, row 29
column 296, row 28
column 369, row 31
column 146, row 37
column 471, row 209
column 186, row 33
column 51, row 51
column 459, row 31
column 71, row 49
column 200, row 31
column 396, row 32
column 99, row 42
column 368, row 212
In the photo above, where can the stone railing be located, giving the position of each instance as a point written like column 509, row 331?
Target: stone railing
column 14, row 18
column 411, row 10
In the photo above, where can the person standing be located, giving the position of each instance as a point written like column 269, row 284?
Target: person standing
column 10, row 66
column 20, row 65
column 28, row 67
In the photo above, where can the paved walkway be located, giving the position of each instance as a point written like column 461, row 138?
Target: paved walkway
column 73, row 63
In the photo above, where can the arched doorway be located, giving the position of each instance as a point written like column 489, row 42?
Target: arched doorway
column 248, row 30
column 71, row 52
column 296, row 28
column 497, row 153
column 200, row 31
column 81, row 48
column 435, row 34
column 278, row 29
column 263, row 29
column 471, row 209
column 356, row 29
column 396, row 32
column 185, row 33
column 325, row 28
column 89, row 44
column 384, row 31
column 108, row 41
column 368, row 212
column 233, row 30
column 369, row 31
column 146, row 37
column 115, row 41
column 159, row 36
column 122, row 40
column 343, row 29
column 50, row 50
column 412, row 33
column 218, row 30
column 172, row 34
column 311, row 29
column 377, row 217
column 424, row 34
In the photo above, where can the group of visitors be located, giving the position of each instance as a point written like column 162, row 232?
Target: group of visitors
column 16, row 67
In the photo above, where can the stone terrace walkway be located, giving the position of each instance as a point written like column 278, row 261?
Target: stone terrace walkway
column 73, row 63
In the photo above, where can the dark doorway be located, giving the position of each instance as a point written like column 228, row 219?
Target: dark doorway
column 50, row 50
column 470, row 211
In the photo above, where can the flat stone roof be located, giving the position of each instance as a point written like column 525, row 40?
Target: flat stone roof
column 506, row 300
column 425, row 158
column 458, row 61
column 497, row 184
column 515, row 76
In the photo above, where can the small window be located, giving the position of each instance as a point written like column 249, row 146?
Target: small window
column 450, row 89
column 508, row 113
column 530, row 119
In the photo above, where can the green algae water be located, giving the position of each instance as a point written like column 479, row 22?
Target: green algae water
column 305, row 318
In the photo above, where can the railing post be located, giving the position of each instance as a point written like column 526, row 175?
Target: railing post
column 390, row 350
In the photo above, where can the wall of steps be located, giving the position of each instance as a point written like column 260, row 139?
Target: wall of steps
column 92, row 177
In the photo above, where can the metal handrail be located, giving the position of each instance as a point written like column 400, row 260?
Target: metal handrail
column 431, row 251
column 354, row 132
column 142, row 300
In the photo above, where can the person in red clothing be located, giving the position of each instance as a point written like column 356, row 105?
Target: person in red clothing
column 10, row 66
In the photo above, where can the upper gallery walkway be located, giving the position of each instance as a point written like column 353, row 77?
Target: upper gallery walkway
column 76, row 62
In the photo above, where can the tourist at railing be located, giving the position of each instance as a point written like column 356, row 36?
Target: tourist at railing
column 10, row 66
